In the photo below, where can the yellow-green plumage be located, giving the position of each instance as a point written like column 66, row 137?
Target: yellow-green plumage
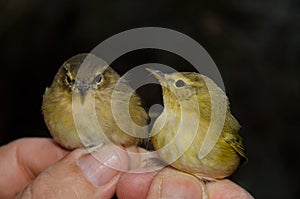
column 68, row 90
column 228, row 152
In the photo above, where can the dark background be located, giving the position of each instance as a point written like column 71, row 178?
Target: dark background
column 255, row 44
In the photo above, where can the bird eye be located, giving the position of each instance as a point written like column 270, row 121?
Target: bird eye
column 69, row 80
column 98, row 78
column 179, row 83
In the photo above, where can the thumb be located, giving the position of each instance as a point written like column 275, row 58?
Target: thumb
column 80, row 175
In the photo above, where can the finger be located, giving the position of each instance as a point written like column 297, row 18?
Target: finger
column 80, row 175
column 136, row 182
column 224, row 189
column 134, row 185
column 22, row 160
column 170, row 183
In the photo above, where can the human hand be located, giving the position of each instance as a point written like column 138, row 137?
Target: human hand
column 171, row 183
column 37, row 167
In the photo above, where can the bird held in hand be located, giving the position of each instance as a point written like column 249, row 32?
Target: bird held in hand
column 77, row 107
column 190, row 99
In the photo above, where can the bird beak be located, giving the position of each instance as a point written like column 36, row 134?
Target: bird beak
column 157, row 74
column 83, row 87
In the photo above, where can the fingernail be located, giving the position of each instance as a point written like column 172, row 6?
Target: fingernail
column 103, row 164
column 177, row 186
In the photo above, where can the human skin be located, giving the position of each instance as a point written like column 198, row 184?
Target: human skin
column 39, row 168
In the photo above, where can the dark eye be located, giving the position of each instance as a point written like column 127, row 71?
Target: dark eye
column 69, row 80
column 179, row 83
column 98, row 78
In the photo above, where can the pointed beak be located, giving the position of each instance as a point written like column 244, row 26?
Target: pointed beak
column 157, row 74
column 83, row 87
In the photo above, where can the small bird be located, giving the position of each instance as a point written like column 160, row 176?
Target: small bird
column 78, row 106
column 181, row 130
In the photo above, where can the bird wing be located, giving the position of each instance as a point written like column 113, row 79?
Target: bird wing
column 236, row 142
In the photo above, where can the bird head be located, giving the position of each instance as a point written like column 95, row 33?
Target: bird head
column 83, row 73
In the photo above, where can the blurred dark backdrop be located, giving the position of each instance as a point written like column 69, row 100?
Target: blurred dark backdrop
column 255, row 44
